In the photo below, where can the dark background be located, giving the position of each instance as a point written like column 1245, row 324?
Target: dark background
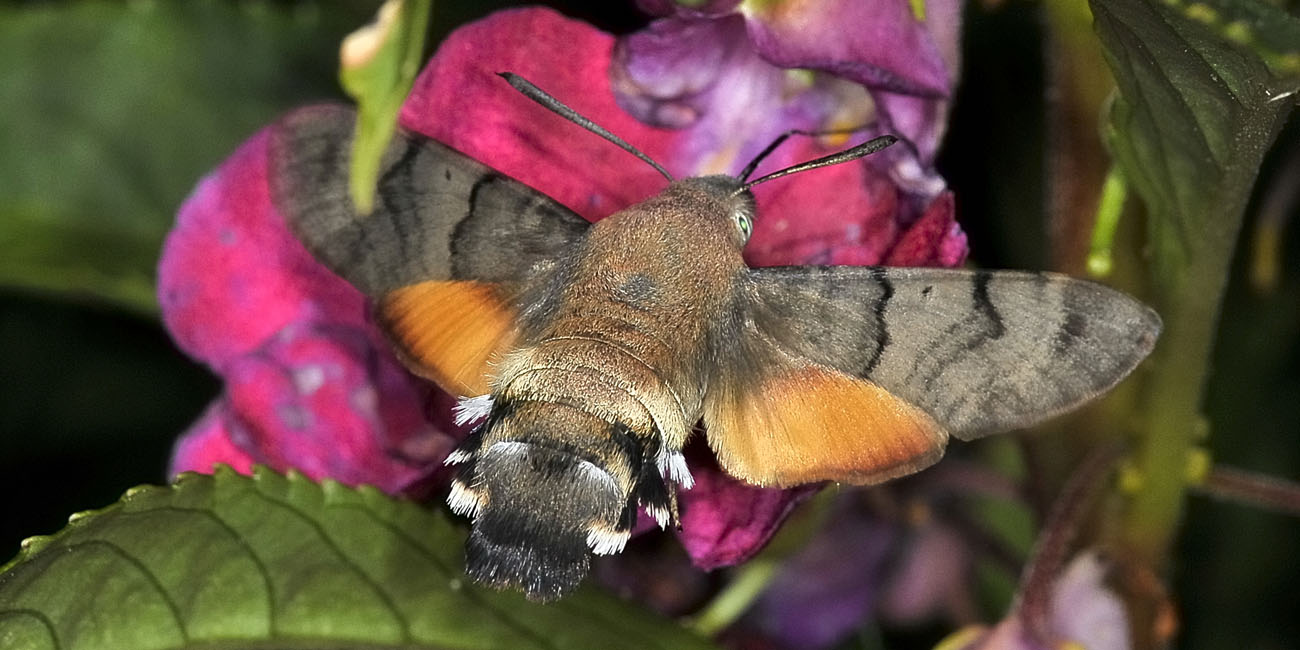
column 103, row 131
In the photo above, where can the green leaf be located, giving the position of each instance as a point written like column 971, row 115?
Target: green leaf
column 1267, row 29
column 1198, row 108
column 232, row 561
column 1196, row 114
column 379, row 64
column 112, row 111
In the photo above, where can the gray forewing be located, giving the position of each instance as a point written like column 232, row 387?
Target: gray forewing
column 980, row 351
column 438, row 214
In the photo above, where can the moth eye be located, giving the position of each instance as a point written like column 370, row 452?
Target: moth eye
column 744, row 223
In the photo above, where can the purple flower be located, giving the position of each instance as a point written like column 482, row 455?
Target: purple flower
column 894, row 553
column 831, row 585
column 309, row 381
column 738, row 77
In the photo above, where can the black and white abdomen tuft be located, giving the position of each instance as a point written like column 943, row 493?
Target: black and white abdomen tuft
column 546, row 485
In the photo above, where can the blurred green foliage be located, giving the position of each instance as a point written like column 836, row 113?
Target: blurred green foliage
column 1231, row 571
column 1194, row 116
column 112, row 111
column 110, row 114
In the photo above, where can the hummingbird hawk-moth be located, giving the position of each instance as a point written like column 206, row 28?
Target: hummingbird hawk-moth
column 591, row 350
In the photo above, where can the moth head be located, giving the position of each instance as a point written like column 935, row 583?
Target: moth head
column 738, row 204
column 721, row 198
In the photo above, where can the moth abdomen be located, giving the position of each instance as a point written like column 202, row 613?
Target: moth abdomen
column 542, row 512
column 547, row 486
column 505, row 551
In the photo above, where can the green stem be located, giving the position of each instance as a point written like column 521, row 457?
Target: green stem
column 733, row 600
column 1109, row 209
column 378, row 66
column 1173, row 426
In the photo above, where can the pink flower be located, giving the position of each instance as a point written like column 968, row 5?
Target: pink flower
column 310, row 382
column 1083, row 613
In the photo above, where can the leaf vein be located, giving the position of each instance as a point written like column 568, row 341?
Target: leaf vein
column 343, row 559
column 40, row 618
column 469, row 593
column 146, row 572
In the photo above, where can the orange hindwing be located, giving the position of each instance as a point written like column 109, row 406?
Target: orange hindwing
column 449, row 331
column 802, row 422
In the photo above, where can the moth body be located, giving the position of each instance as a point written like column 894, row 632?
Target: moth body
column 598, row 400
column 590, row 351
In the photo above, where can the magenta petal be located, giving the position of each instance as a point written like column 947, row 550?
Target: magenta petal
column 459, row 100
column 852, row 215
column 321, row 402
column 232, row 274
column 934, row 240
column 210, row 441
column 726, row 521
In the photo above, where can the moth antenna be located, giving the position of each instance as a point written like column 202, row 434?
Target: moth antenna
column 559, row 108
column 776, row 142
column 865, row 149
